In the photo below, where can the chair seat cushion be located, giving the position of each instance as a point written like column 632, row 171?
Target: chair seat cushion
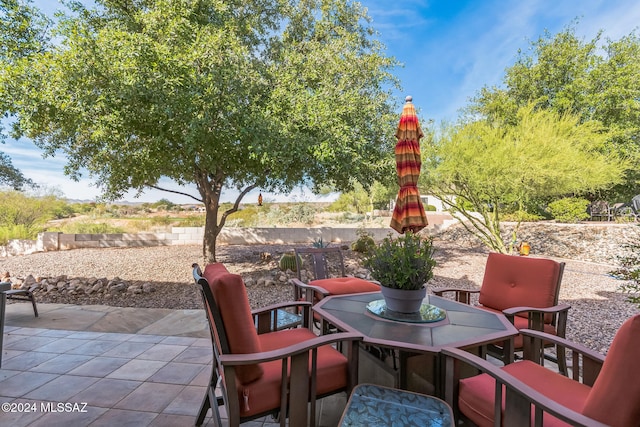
column 476, row 397
column 522, row 323
column 345, row 285
column 264, row 394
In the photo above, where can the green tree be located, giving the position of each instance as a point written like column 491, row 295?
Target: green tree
column 382, row 194
column 240, row 94
column 480, row 168
column 593, row 80
column 356, row 200
column 21, row 34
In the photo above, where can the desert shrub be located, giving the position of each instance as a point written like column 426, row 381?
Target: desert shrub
column 20, row 232
column 629, row 271
column 60, row 209
column 88, row 228
column 364, row 243
column 302, row 213
column 352, row 217
column 193, row 221
column 161, row 220
column 247, row 216
column 569, row 209
column 382, row 205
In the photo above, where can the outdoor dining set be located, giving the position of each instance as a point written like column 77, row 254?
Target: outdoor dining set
column 601, row 210
column 414, row 369
column 496, row 356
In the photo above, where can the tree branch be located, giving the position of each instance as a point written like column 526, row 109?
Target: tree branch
column 175, row 192
column 236, row 205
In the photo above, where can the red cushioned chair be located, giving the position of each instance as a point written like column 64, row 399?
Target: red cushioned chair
column 526, row 290
column 275, row 371
column 601, row 391
column 326, row 265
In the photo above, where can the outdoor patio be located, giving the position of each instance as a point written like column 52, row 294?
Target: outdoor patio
column 111, row 366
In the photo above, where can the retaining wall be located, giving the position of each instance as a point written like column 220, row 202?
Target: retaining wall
column 50, row 241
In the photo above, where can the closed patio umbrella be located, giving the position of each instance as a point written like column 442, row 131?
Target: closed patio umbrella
column 408, row 214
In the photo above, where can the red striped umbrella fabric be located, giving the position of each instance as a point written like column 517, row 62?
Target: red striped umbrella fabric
column 408, row 214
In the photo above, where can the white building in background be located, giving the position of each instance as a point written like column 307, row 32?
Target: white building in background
column 433, row 201
column 426, row 200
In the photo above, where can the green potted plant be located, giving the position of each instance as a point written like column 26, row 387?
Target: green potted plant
column 403, row 266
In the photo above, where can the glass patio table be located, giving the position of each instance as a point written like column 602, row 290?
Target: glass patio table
column 417, row 344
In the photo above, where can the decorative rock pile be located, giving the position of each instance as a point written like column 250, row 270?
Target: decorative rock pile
column 62, row 285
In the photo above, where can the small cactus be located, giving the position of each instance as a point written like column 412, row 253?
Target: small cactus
column 288, row 262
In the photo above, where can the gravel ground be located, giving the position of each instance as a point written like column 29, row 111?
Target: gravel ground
column 598, row 309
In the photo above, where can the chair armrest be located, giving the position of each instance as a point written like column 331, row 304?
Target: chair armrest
column 279, row 306
column 586, row 362
column 545, row 310
column 536, row 316
column 571, row 345
column 267, row 317
column 461, row 295
column 289, row 351
column 301, row 288
column 519, row 396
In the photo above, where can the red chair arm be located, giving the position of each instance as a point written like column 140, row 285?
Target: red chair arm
column 519, row 396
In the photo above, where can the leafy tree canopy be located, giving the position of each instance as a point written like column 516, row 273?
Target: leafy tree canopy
column 236, row 94
column 592, row 80
column 483, row 168
column 21, row 34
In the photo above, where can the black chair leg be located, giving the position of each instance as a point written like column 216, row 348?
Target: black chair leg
column 206, row 404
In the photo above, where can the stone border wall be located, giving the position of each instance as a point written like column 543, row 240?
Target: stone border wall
column 50, row 241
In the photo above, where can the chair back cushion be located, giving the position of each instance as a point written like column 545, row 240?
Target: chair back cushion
column 514, row 281
column 230, row 295
column 615, row 396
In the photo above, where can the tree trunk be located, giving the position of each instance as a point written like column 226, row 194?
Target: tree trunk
column 211, row 231
column 211, row 190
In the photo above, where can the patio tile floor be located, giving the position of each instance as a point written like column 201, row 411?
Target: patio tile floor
column 110, row 378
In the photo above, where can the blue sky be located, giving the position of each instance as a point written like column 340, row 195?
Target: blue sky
column 450, row 49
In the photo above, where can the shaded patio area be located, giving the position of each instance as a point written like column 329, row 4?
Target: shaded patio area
column 110, row 366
